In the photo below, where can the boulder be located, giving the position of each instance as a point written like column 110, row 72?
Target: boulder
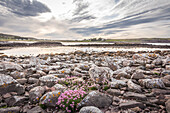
column 152, row 83
column 157, row 61
column 8, row 84
column 90, row 109
column 22, row 81
column 59, row 87
column 33, row 80
column 50, row 99
column 36, row 93
column 111, row 64
column 96, row 99
column 49, row 80
column 96, row 72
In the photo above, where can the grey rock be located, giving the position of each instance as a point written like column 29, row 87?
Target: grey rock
column 49, row 80
column 138, row 75
column 136, row 96
column 167, row 104
column 131, row 104
column 96, row 72
column 111, row 64
column 49, row 99
column 166, row 72
column 90, row 109
column 33, row 80
column 114, row 92
column 96, row 99
column 59, row 87
column 36, row 93
column 152, row 83
column 22, row 81
column 157, row 61
column 16, row 101
column 117, row 83
column 10, row 66
column 36, row 109
column 10, row 110
column 134, row 87
column 18, row 75
column 8, row 84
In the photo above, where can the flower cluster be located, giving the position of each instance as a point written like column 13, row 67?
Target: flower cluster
column 69, row 100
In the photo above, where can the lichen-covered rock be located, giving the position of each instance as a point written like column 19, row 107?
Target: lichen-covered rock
column 134, row 87
column 111, row 64
column 152, row 83
column 96, row 99
column 136, row 96
column 90, row 109
column 36, row 93
column 8, row 84
column 157, row 61
column 18, row 75
column 50, row 99
column 49, row 80
column 96, row 72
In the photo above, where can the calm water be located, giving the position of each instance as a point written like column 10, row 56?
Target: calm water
column 43, row 50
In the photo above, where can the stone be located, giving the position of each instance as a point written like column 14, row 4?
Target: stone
column 49, row 80
column 36, row 93
column 10, row 66
column 49, row 99
column 111, row 64
column 167, row 104
column 96, row 99
column 160, row 91
column 134, row 87
column 114, row 92
column 131, row 104
column 7, row 95
column 10, row 110
column 127, row 63
column 135, row 96
column 90, row 109
column 117, row 83
column 157, row 61
column 18, row 75
column 152, row 83
column 96, row 72
column 59, row 87
column 22, row 81
column 122, row 74
column 166, row 72
column 17, row 101
column 8, row 84
column 150, row 66
column 167, row 67
column 137, row 75
column 36, row 109
column 33, row 80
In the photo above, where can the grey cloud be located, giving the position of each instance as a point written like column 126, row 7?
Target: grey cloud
column 158, row 14
column 25, row 7
column 80, row 18
column 80, row 8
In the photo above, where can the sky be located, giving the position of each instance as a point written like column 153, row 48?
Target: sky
column 82, row 19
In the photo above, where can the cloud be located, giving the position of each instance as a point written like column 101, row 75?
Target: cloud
column 77, row 19
column 25, row 7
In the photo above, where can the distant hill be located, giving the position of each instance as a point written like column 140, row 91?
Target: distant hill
column 14, row 37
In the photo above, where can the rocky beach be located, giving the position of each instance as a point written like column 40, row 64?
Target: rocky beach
column 82, row 82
